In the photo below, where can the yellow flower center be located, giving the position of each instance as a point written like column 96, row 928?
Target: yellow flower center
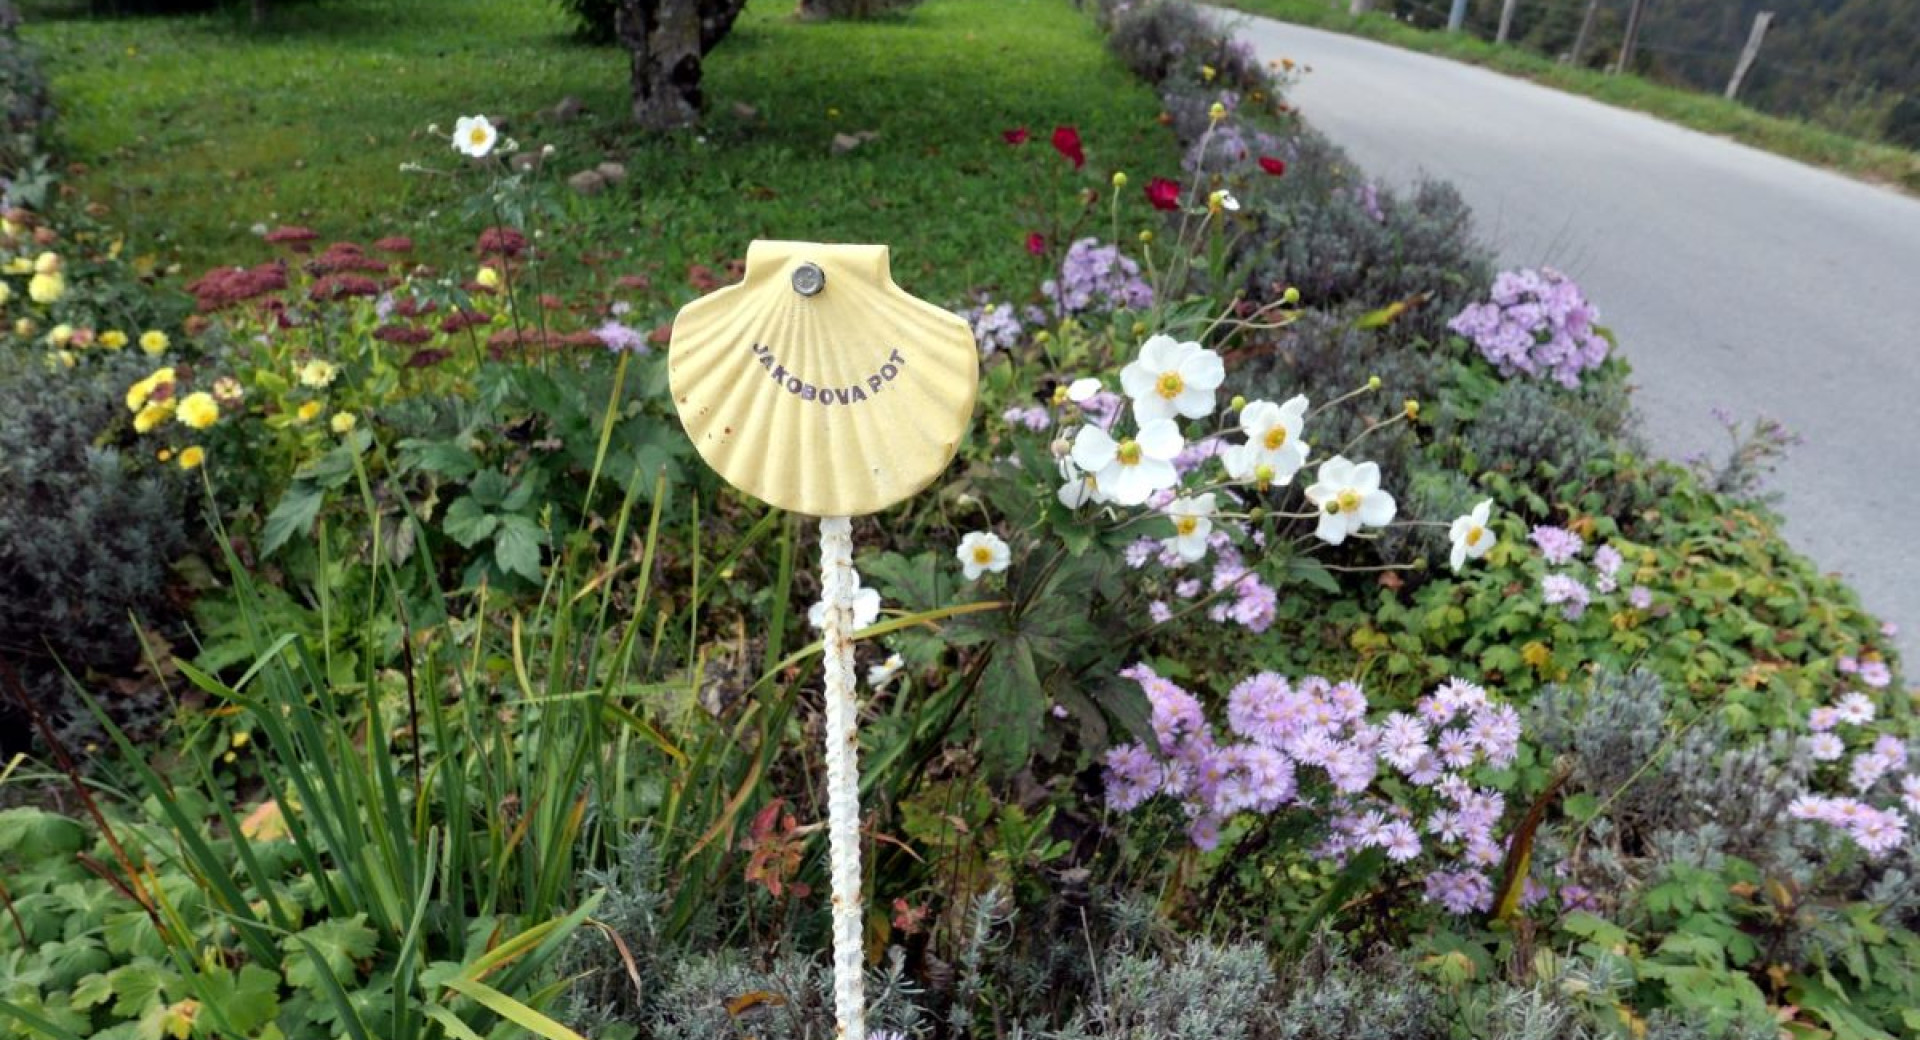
column 982, row 554
column 1128, row 453
column 477, row 136
column 1186, row 525
column 1474, row 534
column 1349, row 500
column 1170, row 385
column 1275, row 438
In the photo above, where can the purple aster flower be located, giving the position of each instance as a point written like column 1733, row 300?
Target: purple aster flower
column 1568, row 593
column 617, row 337
column 1875, row 673
column 1558, row 544
column 1640, row 597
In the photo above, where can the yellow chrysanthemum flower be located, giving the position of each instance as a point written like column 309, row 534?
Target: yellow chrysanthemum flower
column 113, row 339
column 24, row 328
column 343, row 422
column 199, row 410
column 154, row 342
column 18, row 265
column 47, row 287
column 152, row 415
column 309, row 410
column 46, row 263
column 60, row 335
column 317, row 374
column 488, row 277
column 191, row 457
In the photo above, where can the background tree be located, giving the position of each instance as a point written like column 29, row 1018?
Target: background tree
column 667, row 40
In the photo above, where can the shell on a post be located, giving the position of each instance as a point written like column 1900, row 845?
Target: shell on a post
column 819, row 386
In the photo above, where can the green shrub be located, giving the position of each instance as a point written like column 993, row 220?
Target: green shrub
column 593, row 19
column 1344, row 239
column 88, row 534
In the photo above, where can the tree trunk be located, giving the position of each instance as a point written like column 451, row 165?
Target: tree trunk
column 668, row 39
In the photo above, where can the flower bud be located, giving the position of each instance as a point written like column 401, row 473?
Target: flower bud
column 1238, row 403
column 1217, row 112
column 1373, row 382
column 1412, row 408
column 1257, row 513
column 1145, row 237
column 1291, row 296
column 1139, row 328
column 1043, row 336
column 1263, row 473
column 1119, row 179
column 1061, row 447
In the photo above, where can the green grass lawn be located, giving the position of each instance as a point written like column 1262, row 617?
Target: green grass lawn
column 1709, row 113
column 194, row 129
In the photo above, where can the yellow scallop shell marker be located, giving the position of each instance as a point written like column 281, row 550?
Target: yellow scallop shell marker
column 819, row 386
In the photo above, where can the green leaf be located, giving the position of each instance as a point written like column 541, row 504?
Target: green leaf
column 516, row 546
column 139, row 986
column 446, row 458
column 247, row 1001
column 293, row 515
column 41, row 832
column 467, row 523
column 1582, row 807
column 94, row 989
column 1011, row 707
column 1314, row 573
column 332, row 470
column 341, row 944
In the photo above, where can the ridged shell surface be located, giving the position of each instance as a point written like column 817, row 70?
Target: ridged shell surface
column 840, row 403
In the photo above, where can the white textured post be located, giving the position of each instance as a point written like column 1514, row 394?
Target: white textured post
column 838, row 583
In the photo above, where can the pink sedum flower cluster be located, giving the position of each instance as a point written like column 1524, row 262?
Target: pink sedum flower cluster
column 1310, row 745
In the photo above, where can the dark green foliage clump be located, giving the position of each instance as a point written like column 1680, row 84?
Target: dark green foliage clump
column 1155, row 39
column 592, row 19
column 1340, row 239
column 25, row 106
column 86, row 538
column 1529, row 431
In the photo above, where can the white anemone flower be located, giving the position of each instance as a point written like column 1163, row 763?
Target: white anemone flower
column 1192, row 523
column 1171, row 378
column 982, row 551
column 1470, row 536
column 1349, row 498
column 1077, row 488
column 866, row 610
column 1082, row 390
column 883, row 673
column 1129, row 471
column 474, row 136
column 1273, row 441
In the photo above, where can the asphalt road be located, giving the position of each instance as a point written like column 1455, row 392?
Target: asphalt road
column 1733, row 277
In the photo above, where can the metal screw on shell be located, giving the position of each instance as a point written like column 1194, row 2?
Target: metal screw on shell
column 809, row 279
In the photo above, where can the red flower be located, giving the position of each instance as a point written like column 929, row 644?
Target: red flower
column 1272, row 165
column 1163, row 193
column 1066, row 141
column 1037, row 243
column 1015, row 136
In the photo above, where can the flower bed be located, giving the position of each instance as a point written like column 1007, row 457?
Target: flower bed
column 1302, row 646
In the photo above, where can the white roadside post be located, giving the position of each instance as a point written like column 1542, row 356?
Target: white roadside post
column 818, row 386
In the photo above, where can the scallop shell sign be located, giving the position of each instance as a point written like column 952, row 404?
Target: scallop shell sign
column 819, row 386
